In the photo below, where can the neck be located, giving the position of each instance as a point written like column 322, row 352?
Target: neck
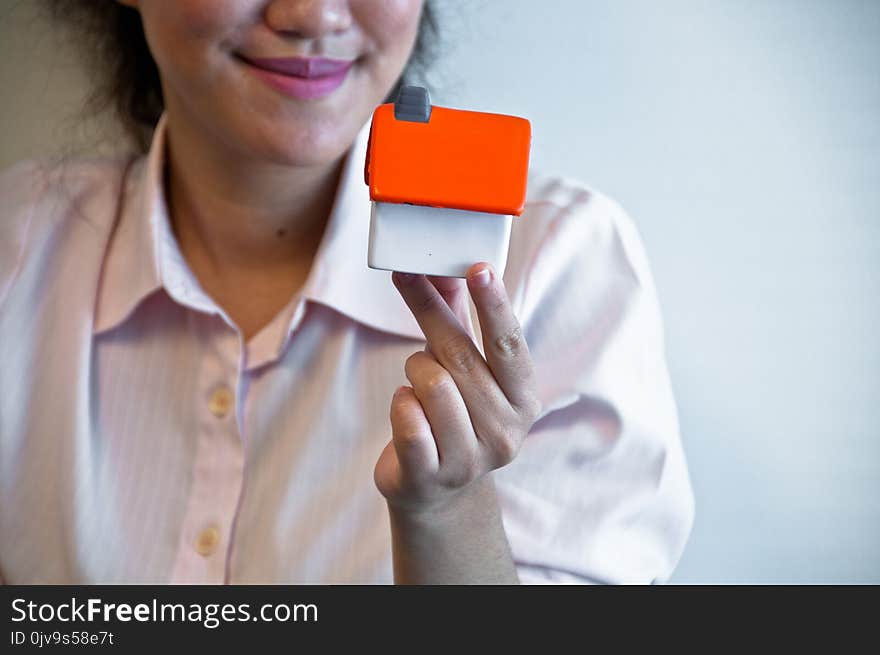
column 240, row 215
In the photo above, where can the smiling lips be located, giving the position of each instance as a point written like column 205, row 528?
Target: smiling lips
column 301, row 77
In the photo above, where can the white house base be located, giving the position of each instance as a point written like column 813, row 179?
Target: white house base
column 435, row 240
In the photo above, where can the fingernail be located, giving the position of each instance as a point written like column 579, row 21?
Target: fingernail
column 481, row 277
column 406, row 278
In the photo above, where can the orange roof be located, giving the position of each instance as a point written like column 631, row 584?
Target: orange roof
column 458, row 159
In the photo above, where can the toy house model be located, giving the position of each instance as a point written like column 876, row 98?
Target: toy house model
column 445, row 185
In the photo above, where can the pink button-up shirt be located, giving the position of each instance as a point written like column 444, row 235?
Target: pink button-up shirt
column 143, row 441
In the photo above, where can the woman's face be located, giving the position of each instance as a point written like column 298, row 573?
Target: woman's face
column 203, row 49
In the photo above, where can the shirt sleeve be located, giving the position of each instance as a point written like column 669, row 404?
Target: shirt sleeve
column 599, row 492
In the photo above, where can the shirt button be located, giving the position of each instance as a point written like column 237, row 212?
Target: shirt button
column 221, row 402
column 207, row 541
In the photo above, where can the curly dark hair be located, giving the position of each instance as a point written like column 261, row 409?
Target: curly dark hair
column 111, row 35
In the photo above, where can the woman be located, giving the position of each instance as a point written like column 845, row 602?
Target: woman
column 199, row 370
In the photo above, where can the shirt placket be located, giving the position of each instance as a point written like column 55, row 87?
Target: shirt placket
column 218, row 467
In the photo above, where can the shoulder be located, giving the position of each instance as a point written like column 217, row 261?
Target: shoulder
column 44, row 186
column 573, row 237
column 45, row 196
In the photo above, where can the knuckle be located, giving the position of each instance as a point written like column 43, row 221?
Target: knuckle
column 503, row 445
column 460, row 352
column 511, row 343
column 531, row 410
column 416, row 363
column 408, row 441
column 438, row 385
column 463, row 473
column 413, row 359
column 506, row 450
column 428, row 302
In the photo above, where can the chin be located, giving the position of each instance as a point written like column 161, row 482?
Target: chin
column 290, row 145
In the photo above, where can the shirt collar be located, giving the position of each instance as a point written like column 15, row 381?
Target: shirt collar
column 143, row 254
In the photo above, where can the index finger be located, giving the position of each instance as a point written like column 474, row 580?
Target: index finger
column 454, row 291
column 450, row 343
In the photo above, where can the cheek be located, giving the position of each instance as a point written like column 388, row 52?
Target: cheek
column 390, row 24
column 184, row 31
column 204, row 19
column 186, row 37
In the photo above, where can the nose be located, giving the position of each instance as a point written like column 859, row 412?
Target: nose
column 308, row 19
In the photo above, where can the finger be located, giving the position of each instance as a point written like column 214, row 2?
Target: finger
column 505, row 348
column 411, row 436
column 455, row 292
column 457, row 444
column 455, row 350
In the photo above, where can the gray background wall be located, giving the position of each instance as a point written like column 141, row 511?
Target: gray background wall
column 744, row 138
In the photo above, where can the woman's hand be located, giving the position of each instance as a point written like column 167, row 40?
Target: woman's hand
column 464, row 415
